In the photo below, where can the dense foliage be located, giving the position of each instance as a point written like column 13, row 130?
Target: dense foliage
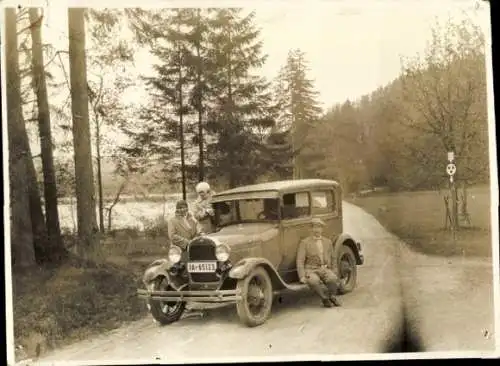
column 399, row 135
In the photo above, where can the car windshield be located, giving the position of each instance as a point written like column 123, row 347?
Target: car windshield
column 246, row 210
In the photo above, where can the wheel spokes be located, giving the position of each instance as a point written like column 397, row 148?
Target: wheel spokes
column 345, row 269
column 168, row 308
column 255, row 296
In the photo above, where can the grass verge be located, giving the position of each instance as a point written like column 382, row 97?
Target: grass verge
column 59, row 306
column 418, row 218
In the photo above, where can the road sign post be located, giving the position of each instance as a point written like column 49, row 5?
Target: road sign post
column 451, row 170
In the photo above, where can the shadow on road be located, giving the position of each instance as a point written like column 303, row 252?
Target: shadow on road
column 282, row 304
column 407, row 340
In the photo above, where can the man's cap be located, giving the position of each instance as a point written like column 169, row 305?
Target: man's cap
column 181, row 204
column 317, row 222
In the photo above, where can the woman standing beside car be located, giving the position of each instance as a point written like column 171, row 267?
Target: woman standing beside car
column 183, row 226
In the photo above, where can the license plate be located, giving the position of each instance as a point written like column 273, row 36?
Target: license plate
column 202, row 267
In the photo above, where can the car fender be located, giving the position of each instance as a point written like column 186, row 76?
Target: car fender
column 156, row 269
column 243, row 268
column 346, row 239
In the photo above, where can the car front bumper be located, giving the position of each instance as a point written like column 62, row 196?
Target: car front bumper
column 217, row 296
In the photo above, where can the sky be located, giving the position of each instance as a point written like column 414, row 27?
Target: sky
column 352, row 47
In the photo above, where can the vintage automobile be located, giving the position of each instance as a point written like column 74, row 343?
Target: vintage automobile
column 251, row 257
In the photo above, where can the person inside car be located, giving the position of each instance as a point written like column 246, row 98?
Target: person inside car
column 271, row 209
column 202, row 210
column 315, row 260
column 183, row 226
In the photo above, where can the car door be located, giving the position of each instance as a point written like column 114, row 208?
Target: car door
column 295, row 226
column 324, row 205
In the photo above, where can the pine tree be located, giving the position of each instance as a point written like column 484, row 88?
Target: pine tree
column 22, row 228
column 242, row 101
column 299, row 109
column 56, row 252
column 176, row 90
column 198, row 73
column 85, row 192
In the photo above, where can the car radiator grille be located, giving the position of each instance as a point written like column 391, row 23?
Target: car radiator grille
column 202, row 250
column 204, row 277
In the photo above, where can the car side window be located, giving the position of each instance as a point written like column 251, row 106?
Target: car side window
column 295, row 205
column 323, row 202
column 225, row 212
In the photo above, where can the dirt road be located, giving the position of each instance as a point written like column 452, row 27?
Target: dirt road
column 449, row 301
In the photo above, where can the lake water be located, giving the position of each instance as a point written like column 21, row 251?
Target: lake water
column 125, row 214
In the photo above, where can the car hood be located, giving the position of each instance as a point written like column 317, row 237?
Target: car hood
column 245, row 233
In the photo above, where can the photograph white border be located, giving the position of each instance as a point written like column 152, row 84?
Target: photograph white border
column 257, row 4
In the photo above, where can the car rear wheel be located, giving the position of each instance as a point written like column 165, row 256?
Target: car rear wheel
column 256, row 292
column 165, row 312
column 347, row 270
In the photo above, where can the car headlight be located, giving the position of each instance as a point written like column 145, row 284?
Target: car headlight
column 222, row 252
column 174, row 254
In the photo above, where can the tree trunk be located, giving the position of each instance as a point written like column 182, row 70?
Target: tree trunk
column 465, row 207
column 454, row 206
column 201, row 160
column 21, row 230
column 113, row 204
column 99, row 172
column 181, row 130
column 229, row 111
column 88, row 239
column 55, row 248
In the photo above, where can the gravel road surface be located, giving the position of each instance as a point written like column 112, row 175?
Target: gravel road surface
column 449, row 303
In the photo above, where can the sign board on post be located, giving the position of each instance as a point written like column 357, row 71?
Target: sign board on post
column 451, row 156
column 451, row 169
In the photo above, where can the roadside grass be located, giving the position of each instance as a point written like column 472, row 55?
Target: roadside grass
column 418, row 218
column 54, row 307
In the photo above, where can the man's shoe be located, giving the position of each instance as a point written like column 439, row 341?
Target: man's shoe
column 335, row 301
column 327, row 303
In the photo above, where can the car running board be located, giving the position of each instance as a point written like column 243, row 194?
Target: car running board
column 294, row 287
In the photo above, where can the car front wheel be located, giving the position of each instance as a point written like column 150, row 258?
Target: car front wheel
column 347, row 270
column 256, row 292
column 165, row 312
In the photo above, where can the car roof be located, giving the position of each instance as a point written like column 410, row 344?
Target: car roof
column 281, row 185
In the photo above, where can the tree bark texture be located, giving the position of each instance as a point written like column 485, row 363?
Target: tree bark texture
column 99, row 171
column 21, row 230
column 55, row 244
column 88, row 240
column 181, row 133
column 199, row 106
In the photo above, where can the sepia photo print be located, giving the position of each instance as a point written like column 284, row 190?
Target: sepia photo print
column 236, row 181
